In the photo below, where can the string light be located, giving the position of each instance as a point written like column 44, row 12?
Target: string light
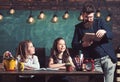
column 41, row 15
column 66, row 15
column 31, row 19
column 1, row 17
column 80, row 17
column 12, row 11
column 108, row 18
column 98, row 13
column 55, row 18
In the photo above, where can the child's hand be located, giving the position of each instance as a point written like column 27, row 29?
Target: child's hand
column 28, row 68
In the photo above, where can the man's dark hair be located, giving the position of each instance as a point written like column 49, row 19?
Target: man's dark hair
column 88, row 8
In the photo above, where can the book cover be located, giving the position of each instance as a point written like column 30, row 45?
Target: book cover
column 90, row 37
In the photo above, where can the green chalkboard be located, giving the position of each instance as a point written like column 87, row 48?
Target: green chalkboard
column 14, row 28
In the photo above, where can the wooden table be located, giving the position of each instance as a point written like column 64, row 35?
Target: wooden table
column 50, row 73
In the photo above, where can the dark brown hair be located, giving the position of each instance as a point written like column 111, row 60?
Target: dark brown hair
column 88, row 7
column 54, row 52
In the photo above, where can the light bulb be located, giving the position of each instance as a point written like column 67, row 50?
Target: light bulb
column 41, row 15
column 108, row 18
column 55, row 19
column 98, row 14
column 1, row 17
column 31, row 20
column 66, row 15
column 80, row 17
column 12, row 11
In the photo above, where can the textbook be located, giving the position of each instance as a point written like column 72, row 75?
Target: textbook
column 90, row 37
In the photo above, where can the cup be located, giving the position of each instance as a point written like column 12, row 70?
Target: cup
column 12, row 65
column 69, row 67
column 20, row 66
column 9, row 64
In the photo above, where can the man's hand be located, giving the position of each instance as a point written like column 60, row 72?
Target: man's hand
column 100, row 33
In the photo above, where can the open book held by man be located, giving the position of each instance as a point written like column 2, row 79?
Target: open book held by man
column 90, row 37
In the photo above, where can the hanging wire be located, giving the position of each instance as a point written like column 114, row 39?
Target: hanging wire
column 98, row 12
column 66, row 14
column 108, row 18
column 55, row 17
column 41, row 15
column 11, row 10
column 80, row 17
column 30, row 19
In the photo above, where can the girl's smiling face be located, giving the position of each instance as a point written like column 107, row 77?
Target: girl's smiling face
column 61, row 46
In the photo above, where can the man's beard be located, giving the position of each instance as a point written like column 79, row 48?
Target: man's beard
column 88, row 24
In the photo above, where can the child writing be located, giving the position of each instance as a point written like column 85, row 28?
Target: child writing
column 25, row 53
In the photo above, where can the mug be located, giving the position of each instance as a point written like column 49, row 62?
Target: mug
column 69, row 67
column 9, row 64
column 20, row 66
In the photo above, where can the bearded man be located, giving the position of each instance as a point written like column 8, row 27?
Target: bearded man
column 101, row 51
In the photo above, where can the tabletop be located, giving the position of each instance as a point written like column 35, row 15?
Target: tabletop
column 49, row 72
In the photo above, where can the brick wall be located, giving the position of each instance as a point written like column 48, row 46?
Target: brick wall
column 115, row 10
